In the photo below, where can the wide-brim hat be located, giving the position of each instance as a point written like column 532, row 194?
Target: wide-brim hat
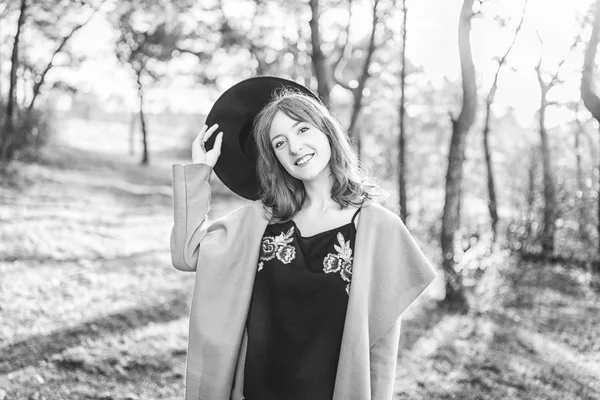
column 235, row 111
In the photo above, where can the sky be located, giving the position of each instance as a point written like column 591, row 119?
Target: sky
column 432, row 45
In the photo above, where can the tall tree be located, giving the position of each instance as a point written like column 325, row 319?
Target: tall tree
column 144, row 46
column 358, row 88
column 14, row 66
column 8, row 136
column 319, row 62
column 456, row 156
column 4, row 11
column 590, row 97
column 581, row 193
column 40, row 78
column 549, row 191
column 492, row 202
column 402, row 135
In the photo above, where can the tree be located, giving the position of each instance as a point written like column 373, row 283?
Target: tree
column 492, row 202
column 357, row 86
column 320, row 68
column 8, row 138
column 402, row 135
column 590, row 98
column 460, row 129
column 48, row 24
column 581, row 193
column 4, row 11
column 148, row 38
column 549, row 191
column 63, row 41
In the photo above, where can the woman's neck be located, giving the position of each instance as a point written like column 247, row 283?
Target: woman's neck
column 318, row 195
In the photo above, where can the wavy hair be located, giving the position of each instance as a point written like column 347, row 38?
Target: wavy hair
column 285, row 194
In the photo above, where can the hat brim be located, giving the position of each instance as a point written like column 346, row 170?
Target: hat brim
column 235, row 111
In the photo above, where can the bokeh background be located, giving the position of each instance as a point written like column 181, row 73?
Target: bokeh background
column 479, row 119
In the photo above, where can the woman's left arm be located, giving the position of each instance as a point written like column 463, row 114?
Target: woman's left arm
column 384, row 358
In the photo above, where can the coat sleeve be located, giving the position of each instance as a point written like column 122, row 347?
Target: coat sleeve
column 191, row 202
column 384, row 357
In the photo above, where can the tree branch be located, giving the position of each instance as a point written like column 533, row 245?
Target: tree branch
column 37, row 86
column 502, row 60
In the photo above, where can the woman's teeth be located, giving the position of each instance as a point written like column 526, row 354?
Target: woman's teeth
column 304, row 159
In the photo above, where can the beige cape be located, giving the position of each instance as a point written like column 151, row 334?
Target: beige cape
column 389, row 273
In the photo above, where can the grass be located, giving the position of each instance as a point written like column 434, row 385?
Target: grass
column 90, row 307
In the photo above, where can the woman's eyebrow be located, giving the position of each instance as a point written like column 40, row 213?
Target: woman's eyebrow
column 281, row 134
column 276, row 136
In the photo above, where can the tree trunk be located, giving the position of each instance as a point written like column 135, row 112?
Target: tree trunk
column 132, row 124
column 8, row 137
column 402, row 136
column 460, row 129
column 362, row 81
column 14, row 66
column 145, row 159
column 492, row 206
column 588, row 90
column 580, row 190
column 318, row 58
column 533, row 163
column 548, row 229
column 492, row 203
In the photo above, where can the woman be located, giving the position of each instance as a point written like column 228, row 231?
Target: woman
column 299, row 294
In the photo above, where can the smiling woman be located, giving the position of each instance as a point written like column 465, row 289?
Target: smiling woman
column 298, row 133
column 295, row 297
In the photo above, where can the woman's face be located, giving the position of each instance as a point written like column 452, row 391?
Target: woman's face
column 301, row 148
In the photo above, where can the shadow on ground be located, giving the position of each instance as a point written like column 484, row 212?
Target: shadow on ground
column 37, row 348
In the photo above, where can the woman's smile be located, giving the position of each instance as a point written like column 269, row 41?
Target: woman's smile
column 304, row 160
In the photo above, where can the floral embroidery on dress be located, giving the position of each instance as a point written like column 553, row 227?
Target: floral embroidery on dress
column 341, row 262
column 277, row 246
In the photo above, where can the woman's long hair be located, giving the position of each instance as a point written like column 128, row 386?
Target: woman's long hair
column 285, row 194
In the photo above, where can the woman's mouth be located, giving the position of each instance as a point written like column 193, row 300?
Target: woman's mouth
column 304, row 160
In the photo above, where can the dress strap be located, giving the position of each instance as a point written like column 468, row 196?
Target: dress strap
column 355, row 214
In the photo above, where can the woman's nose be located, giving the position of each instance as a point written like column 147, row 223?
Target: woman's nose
column 295, row 146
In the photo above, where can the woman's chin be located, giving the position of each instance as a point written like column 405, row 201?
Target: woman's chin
column 310, row 175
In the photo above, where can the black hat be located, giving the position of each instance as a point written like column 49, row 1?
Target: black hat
column 235, row 111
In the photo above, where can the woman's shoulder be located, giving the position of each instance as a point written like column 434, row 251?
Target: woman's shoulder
column 252, row 210
column 380, row 213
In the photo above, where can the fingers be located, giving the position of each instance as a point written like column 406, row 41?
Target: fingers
column 218, row 142
column 200, row 135
column 209, row 132
column 205, row 133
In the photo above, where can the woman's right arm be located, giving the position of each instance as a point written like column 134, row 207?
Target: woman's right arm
column 191, row 201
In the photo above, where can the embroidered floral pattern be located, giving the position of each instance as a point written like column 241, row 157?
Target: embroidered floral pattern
column 277, row 246
column 334, row 263
column 341, row 262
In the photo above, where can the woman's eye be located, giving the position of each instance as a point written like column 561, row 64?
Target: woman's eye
column 278, row 144
column 303, row 129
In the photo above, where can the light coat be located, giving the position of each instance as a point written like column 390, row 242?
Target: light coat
column 389, row 273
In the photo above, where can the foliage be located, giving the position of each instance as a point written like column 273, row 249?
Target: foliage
column 45, row 28
column 576, row 233
column 148, row 35
column 33, row 129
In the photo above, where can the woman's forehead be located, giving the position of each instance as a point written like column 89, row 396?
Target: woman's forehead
column 282, row 123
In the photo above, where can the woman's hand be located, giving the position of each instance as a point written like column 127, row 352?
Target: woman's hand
column 199, row 153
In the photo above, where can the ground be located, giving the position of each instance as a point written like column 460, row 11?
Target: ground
column 91, row 308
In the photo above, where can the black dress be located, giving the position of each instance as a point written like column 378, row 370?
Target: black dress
column 297, row 313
